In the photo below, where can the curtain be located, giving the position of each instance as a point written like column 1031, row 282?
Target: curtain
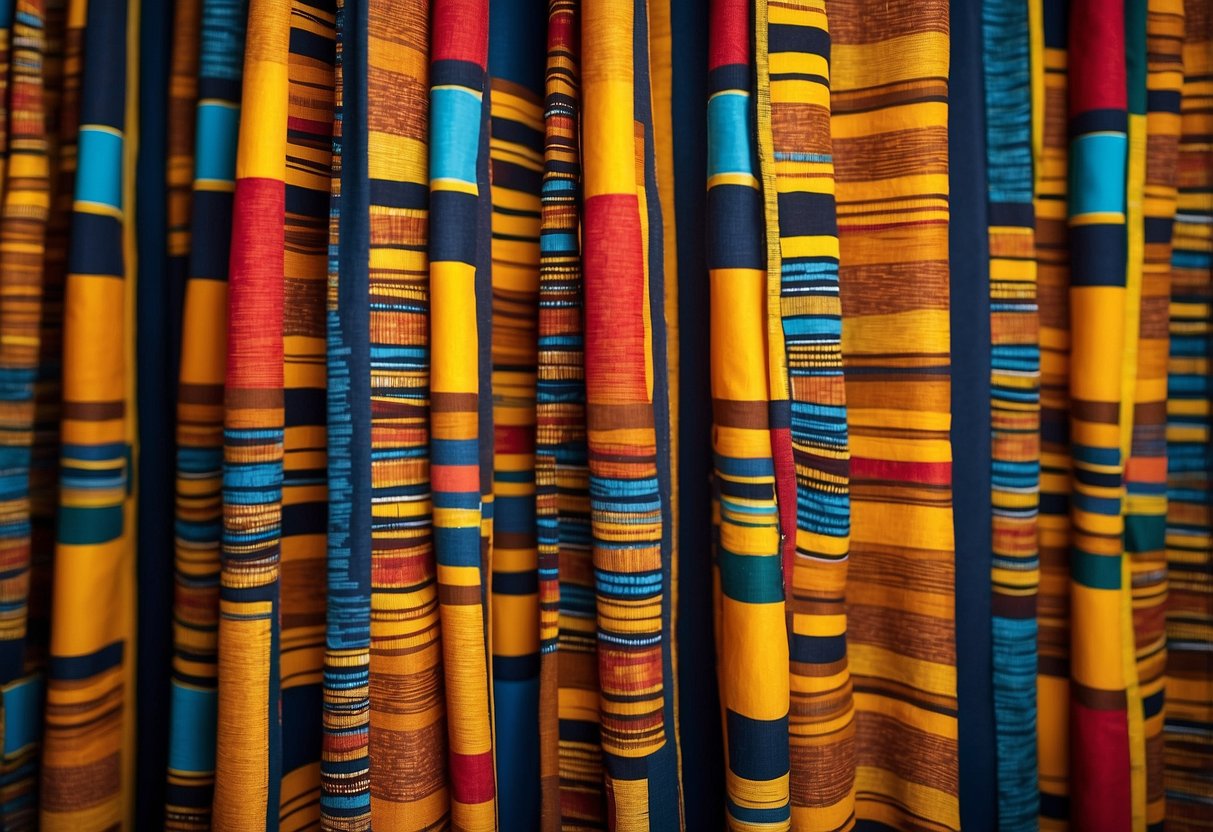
column 606, row 415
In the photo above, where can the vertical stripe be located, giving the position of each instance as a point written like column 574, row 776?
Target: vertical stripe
column 799, row 172
column 248, row 750
column 193, row 698
column 889, row 125
column 88, row 761
column 309, row 129
column 1146, row 465
column 1053, row 523
column 1098, row 157
column 408, row 713
column 1014, row 406
column 516, row 72
column 1189, row 530
column 345, row 798
column 752, row 636
column 972, row 514
column 628, row 444
column 570, row 744
column 459, row 291
column 23, row 222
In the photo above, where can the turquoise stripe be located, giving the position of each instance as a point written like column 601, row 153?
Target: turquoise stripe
column 1097, row 175
column 729, row 132
column 99, row 173
column 454, row 114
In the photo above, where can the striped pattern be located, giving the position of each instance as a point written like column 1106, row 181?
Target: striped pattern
column 1157, row 85
column 460, row 447
column 248, row 774
column 1050, row 77
column 433, row 489
column 88, row 763
column 1098, row 152
column 61, row 94
column 1135, row 173
column 1189, row 725
column 569, row 739
column 889, row 97
column 821, row 718
column 408, row 712
column 345, row 800
column 23, row 217
column 8, row 14
column 23, row 222
column 626, row 391
column 304, row 488
column 61, row 100
column 752, row 644
column 515, row 67
column 182, row 132
column 1014, row 406
column 193, row 704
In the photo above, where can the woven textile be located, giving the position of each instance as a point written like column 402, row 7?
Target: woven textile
column 605, row 415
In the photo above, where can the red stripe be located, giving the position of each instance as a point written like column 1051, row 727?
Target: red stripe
column 309, row 125
column 729, row 38
column 513, row 439
column 614, row 300
column 255, row 286
column 926, row 473
column 1099, row 750
column 455, row 478
column 785, row 491
column 472, row 778
column 460, row 31
column 1097, row 49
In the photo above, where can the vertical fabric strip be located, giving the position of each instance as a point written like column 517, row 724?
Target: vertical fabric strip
column 199, row 428
column 459, row 281
column 248, row 751
column 893, row 231
column 1014, row 406
column 1189, row 531
column 91, row 671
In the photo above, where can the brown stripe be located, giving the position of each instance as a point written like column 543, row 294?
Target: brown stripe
column 200, row 394
column 620, row 416
column 455, row 402
column 93, row 411
column 458, row 596
column 1102, row 412
column 734, row 414
column 1098, row 700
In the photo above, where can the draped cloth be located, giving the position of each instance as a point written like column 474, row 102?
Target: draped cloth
column 605, row 415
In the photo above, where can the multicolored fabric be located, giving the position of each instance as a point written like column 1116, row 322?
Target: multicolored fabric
column 408, row 711
column 23, row 224
column 1100, row 776
column 569, row 741
column 751, row 624
column 516, row 78
column 1188, row 733
column 889, row 126
column 1053, row 525
column 1014, row 405
column 798, row 171
column 626, row 405
column 88, row 759
column 200, row 416
column 248, row 752
column 345, row 800
column 769, row 414
column 1154, row 98
column 308, row 182
column 461, row 448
